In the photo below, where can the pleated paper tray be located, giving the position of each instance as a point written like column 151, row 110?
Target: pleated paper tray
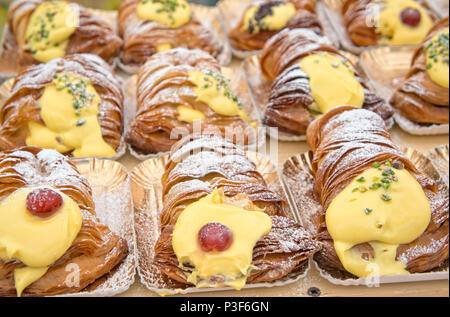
column 440, row 159
column 298, row 179
column 147, row 197
column 440, row 7
column 110, row 185
column 386, row 68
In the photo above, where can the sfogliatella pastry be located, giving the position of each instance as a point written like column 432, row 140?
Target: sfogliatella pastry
column 220, row 224
column 387, row 22
column 72, row 104
column 263, row 19
column 51, row 242
column 45, row 30
column 181, row 90
column 380, row 216
column 423, row 97
column 152, row 26
column 310, row 77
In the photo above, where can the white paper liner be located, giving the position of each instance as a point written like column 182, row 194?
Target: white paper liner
column 370, row 282
column 332, row 9
column 260, row 86
column 298, row 179
column 114, row 208
column 238, row 85
column 9, row 51
column 231, row 12
column 147, row 196
column 209, row 17
column 5, row 90
column 418, row 129
column 386, row 68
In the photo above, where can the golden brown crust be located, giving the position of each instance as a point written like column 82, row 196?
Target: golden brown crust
column 355, row 17
column 200, row 163
column 346, row 141
column 96, row 250
column 288, row 47
column 22, row 104
column 419, row 98
column 304, row 18
column 163, row 84
column 141, row 37
column 93, row 35
column 290, row 95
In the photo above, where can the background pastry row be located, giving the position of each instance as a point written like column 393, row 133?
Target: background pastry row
column 289, row 83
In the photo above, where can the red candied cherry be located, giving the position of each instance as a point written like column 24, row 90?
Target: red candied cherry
column 411, row 17
column 44, row 202
column 215, row 237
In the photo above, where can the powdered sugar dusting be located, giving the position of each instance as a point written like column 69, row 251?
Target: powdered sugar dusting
column 427, row 249
column 48, row 167
column 300, row 183
column 205, row 163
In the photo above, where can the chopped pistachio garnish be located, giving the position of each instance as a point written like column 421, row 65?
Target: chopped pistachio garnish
column 167, row 6
column 375, row 186
column 81, row 122
column 222, row 82
column 437, row 47
column 385, row 182
column 46, row 23
column 386, row 185
column 77, row 88
column 368, row 211
column 398, row 165
column 335, row 64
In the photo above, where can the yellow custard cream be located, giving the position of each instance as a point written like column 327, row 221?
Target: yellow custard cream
column 233, row 264
column 163, row 47
column 438, row 58
column 384, row 207
column 268, row 17
column 394, row 31
column 189, row 115
column 50, row 28
column 172, row 13
column 214, row 90
column 332, row 82
column 69, row 110
column 34, row 241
